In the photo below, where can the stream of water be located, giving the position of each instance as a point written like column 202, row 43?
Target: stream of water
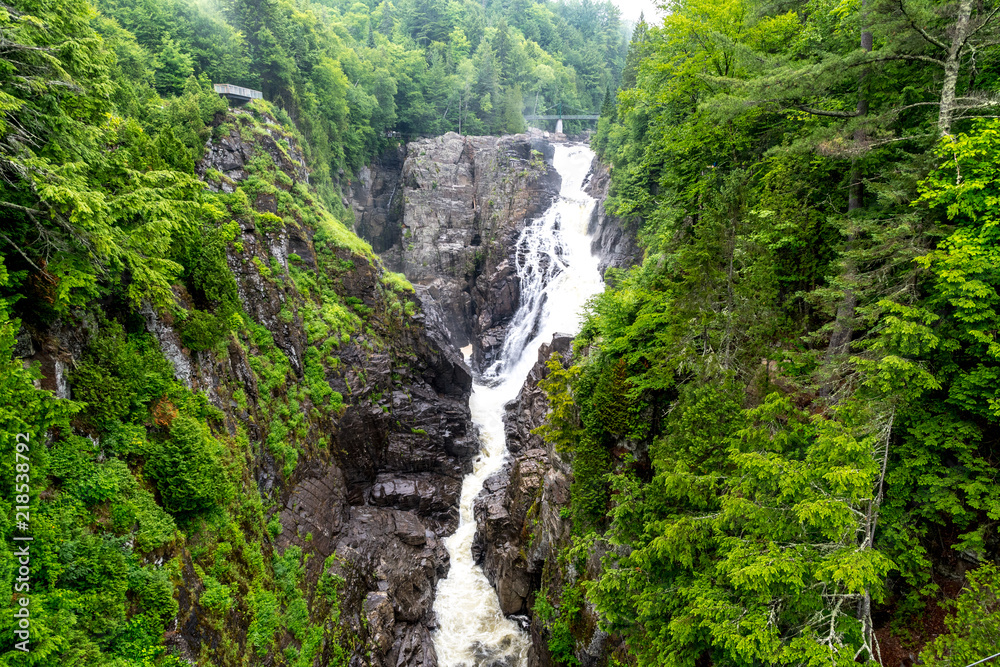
column 558, row 274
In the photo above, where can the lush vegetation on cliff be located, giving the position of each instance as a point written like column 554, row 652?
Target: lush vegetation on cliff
column 140, row 495
column 785, row 421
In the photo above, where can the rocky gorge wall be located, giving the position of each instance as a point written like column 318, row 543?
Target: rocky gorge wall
column 369, row 509
column 459, row 205
column 447, row 211
column 523, row 532
column 615, row 239
column 333, row 401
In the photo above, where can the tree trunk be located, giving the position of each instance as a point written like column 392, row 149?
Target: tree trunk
column 952, row 66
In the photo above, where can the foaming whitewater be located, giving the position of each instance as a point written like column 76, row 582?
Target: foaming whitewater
column 558, row 274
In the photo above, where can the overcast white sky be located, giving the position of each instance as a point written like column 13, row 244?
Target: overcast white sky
column 632, row 8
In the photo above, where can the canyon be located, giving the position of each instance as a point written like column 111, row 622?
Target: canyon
column 345, row 398
column 482, row 226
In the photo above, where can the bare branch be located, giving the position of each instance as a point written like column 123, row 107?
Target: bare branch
column 985, row 22
column 830, row 114
column 883, row 142
column 18, row 207
column 20, row 252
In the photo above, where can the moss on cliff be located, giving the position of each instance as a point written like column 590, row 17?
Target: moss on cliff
column 156, row 492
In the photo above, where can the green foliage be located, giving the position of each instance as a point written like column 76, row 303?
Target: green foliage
column 265, row 616
column 780, row 487
column 187, row 470
column 173, row 67
column 120, row 375
column 155, row 592
column 561, row 643
column 778, row 515
column 217, row 598
column 397, row 282
column 203, row 331
column 974, row 629
column 562, row 424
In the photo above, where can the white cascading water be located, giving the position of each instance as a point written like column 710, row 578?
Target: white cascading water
column 558, row 275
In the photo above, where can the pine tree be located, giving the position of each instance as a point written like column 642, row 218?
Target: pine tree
column 635, row 53
column 609, row 110
column 386, row 24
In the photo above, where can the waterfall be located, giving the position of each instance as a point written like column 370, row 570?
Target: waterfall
column 558, row 274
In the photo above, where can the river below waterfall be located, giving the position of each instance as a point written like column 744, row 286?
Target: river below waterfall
column 558, row 274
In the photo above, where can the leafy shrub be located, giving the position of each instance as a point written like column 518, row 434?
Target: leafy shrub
column 140, row 643
column 134, row 509
column 204, row 331
column 974, row 629
column 266, row 618
column 274, row 526
column 216, row 597
column 120, row 375
column 155, row 593
column 186, row 468
column 397, row 282
column 561, row 643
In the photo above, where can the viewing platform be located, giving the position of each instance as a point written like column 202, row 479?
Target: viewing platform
column 237, row 94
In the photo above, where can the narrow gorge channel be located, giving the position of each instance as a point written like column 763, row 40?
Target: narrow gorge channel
column 557, row 273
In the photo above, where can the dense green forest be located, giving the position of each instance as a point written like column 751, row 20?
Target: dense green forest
column 784, row 423
column 349, row 72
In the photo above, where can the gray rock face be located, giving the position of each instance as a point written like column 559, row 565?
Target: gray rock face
column 527, row 411
column 377, row 199
column 615, row 239
column 459, row 204
column 501, row 511
column 229, row 156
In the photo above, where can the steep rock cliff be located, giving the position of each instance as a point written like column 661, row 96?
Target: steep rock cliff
column 334, row 417
column 522, row 533
column 371, row 510
column 452, row 225
column 517, row 513
column 615, row 239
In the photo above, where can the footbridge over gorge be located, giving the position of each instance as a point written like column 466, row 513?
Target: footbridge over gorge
column 566, row 117
column 559, row 117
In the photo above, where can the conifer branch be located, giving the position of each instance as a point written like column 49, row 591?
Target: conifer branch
column 923, row 33
column 900, row 56
column 830, row 114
